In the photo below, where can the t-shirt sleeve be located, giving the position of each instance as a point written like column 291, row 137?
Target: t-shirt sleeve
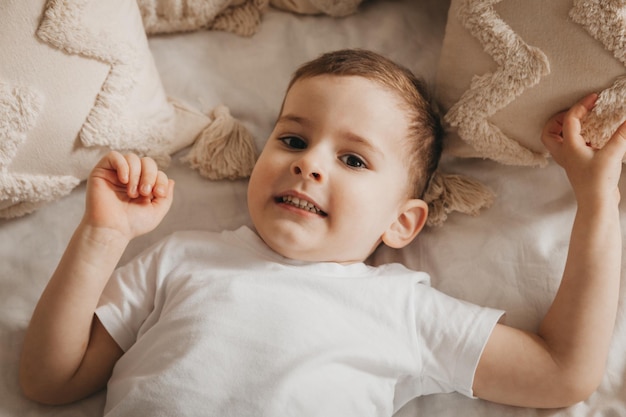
column 452, row 334
column 129, row 297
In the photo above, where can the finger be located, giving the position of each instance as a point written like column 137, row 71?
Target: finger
column 552, row 135
column 148, row 178
column 583, row 106
column 119, row 164
column 134, row 175
column 553, row 130
column 161, row 186
column 572, row 121
column 164, row 203
column 170, row 190
column 617, row 144
column 112, row 167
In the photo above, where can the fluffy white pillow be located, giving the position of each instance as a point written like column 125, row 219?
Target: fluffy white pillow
column 77, row 79
column 507, row 66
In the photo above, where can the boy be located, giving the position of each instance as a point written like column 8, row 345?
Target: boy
column 288, row 320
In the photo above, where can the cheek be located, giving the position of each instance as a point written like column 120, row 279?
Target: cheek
column 359, row 204
column 263, row 178
column 256, row 183
column 261, row 172
column 374, row 202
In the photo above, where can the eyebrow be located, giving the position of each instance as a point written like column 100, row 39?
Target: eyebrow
column 292, row 118
column 352, row 137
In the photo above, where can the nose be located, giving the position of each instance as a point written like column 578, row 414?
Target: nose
column 307, row 167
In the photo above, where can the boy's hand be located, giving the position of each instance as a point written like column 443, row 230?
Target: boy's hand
column 593, row 173
column 127, row 194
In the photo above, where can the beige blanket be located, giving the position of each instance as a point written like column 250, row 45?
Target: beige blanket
column 238, row 16
column 167, row 16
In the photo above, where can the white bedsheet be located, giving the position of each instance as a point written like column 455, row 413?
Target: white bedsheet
column 510, row 257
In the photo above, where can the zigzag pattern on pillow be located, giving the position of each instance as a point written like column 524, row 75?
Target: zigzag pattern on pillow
column 64, row 26
column 22, row 193
column 520, row 67
column 107, row 123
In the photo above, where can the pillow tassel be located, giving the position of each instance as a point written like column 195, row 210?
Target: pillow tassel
column 449, row 192
column 224, row 149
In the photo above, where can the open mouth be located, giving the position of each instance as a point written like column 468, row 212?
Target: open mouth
column 301, row 204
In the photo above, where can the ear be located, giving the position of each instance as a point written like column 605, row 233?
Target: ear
column 410, row 221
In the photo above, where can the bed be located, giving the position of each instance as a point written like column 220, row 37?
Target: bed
column 510, row 256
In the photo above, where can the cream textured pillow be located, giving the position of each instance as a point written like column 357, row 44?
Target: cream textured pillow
column 507, row 66
column 77, row 79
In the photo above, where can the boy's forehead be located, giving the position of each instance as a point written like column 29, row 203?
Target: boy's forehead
column 360, row 88
column 356, row 81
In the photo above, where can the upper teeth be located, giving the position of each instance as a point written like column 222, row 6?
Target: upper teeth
column 303, row 204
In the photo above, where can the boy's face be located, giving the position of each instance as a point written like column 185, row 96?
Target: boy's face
column 331, row 179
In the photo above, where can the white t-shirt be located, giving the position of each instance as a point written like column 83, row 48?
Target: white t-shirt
column 217, row 324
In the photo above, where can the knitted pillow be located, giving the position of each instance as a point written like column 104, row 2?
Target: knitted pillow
column 507, row 66
column 77, row 79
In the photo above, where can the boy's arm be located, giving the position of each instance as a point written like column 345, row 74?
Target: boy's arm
column 67, row 353
column 564, row 362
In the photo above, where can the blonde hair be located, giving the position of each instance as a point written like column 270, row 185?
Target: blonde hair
column 424, row 144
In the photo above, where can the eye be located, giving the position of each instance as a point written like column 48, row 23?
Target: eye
column 353, row 161
column 293, row 142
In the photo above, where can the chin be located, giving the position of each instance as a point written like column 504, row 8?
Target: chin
column 291, row 242
column 294, row 251
column 279, row 241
